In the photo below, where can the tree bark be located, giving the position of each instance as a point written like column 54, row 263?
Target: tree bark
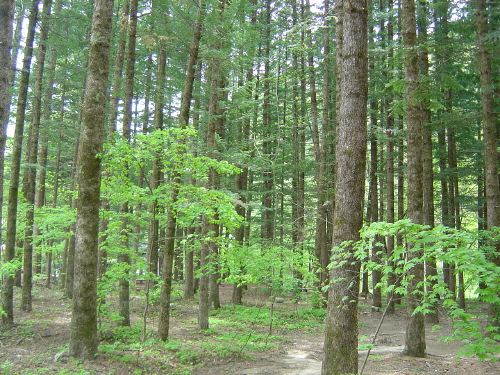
column 83, row 333
column 415, row 330
column 29, row 178
column 10, row 240
column 168, row 251
column 6, row 31
column 341, row 337
column 490, row 137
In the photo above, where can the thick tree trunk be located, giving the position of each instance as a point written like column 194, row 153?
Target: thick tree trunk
column 490, row 136
column 415, row 330
column 341, row 337
column 431, row 271
column 83, row 333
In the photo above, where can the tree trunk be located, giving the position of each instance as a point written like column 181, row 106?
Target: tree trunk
column 490, row 137
column 168, row 257
column 124, row 257
column 415, row 330
column 29, row 178
column 83, row 332
column 431, row 271
column 268, row 175
column 389, row 171
column 10, row 240
column 6, row 25
column 341, row 337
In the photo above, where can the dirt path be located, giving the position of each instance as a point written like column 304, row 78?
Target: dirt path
column 302, row 354
column 31, row 347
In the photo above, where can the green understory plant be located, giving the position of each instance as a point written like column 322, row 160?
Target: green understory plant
column 478, row 332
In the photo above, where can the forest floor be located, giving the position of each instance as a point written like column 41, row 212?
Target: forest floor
column 260, row 337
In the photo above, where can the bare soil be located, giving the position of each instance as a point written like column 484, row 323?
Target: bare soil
column 37, row 344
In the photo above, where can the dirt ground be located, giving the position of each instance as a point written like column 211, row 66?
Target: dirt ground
column 37, row 344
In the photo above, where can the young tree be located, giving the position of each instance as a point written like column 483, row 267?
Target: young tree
column 341, row 337
column 187, row 95
column 83, row 335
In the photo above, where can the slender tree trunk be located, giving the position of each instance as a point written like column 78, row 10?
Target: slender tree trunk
column 29, row 178
column 10, row 240
column 268, row 175
column 341, row 337
column 374, row 208
column 124, row 257
column 83, row 333
column 168, row 257
column 6, row 25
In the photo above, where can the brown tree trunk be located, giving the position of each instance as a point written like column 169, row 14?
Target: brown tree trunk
column 490, row 137
column 341, row 337
column 124, row 256
column 168, row 251
column 6, row 25
column 83, row 333
column 10, row 240
column 431, row 271
column 268, row 234
column 29, row 178
column 415, row 330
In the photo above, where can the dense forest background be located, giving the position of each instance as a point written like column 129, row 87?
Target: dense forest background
column 219, row 158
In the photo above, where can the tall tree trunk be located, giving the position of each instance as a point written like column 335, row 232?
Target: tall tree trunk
column 431, row 271
column 29, row 178
column 268, row 175
column 490, row 137
column 389, row 152
column 415, row 330
column 374, row 207
column 83, row 332
column 15, row 169
column 341, row 337
column 124, row 256
column 6, row 25
column 168, row 251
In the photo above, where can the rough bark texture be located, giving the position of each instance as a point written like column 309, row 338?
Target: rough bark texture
column 32, row 155
column 490, row 136
column 6, row 31
column 341, row 338
column 83, row 334
column 15, row 169
column 415, row 331
column 431, row 271
column 124, row 256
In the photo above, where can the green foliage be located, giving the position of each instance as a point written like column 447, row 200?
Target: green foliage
column 282, row 269
column 460, row 247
